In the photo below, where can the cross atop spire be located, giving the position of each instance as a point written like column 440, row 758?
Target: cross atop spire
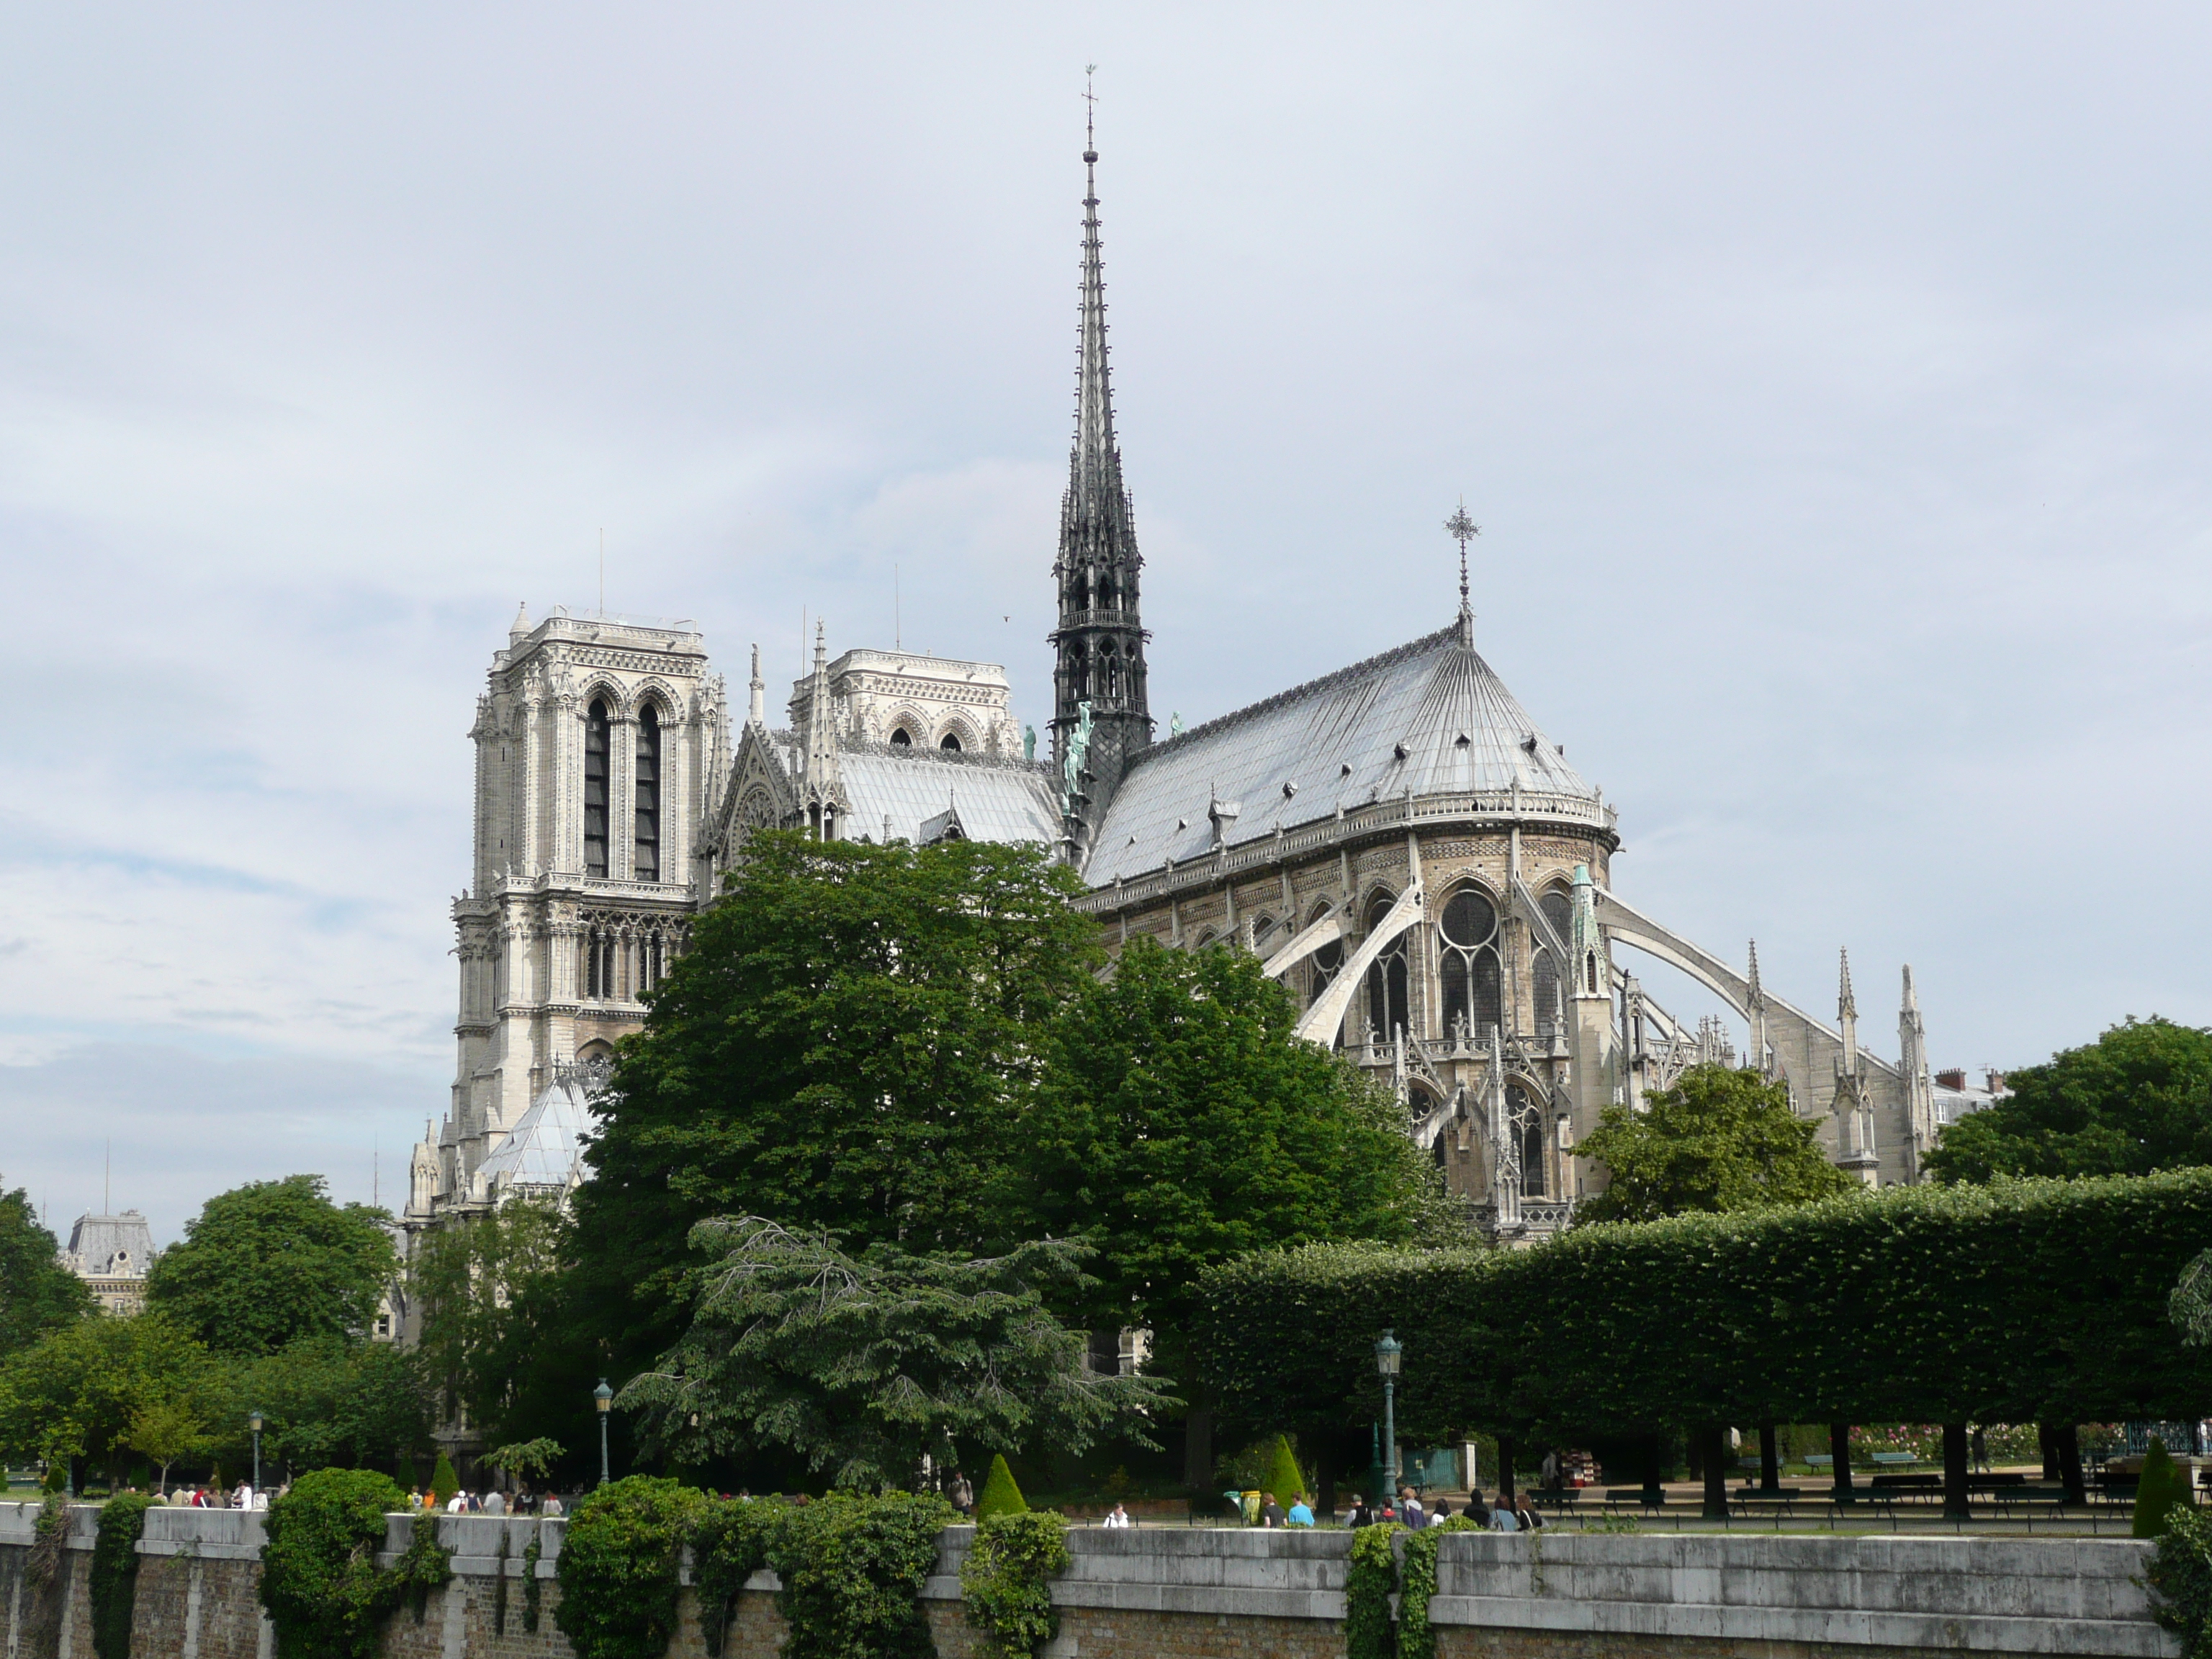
column 1463, row 529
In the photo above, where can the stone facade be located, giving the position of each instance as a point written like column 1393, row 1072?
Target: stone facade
column 1209, row 1594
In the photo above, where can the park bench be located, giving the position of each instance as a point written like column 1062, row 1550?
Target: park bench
column 1895, row 1460
column 1632, row 1497
column 1560, row 1500
column 1781, row 1505
column 2024, row 1499
column 1922, row 1488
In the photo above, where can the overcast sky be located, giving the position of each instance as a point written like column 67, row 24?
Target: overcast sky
column 1830, row 382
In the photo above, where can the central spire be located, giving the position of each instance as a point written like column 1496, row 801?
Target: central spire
column 1101, row 717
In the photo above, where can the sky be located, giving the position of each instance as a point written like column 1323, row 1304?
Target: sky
column 1830, row 381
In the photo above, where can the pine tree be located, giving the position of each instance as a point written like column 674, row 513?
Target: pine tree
column 443, row 1483
column 2161, row 1488
column 1000, row 1495
column 407, row 1477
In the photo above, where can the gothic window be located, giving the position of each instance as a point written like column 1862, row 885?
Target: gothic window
column 1078, row 675
column 646, row 866
column 1107, row 599
column 950, row 740
column 1468, row 952
column 595, row 789
column 1547, row 994
column 1386, row 976
column 902, row 738
column 1559, row 911
column 1525, row 1121
column 1110, row 672
column 1589, row 972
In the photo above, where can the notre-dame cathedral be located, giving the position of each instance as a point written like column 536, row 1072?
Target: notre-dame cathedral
column 1415, row 859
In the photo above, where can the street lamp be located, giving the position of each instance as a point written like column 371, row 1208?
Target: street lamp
column 603, row 1397
column 254, row 1422
column 1387, row 1353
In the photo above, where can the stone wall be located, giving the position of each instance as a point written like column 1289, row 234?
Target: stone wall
column 1214, row 1594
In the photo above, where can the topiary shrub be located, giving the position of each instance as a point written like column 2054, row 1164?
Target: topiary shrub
column 2162, row 1488
column 114, row 1586
column 405, row 1474
column 1000, row 1495
column 319, row 1581
column 1370, row 1579
column 443, row 1481
column 728, row 1547
column 853, row 1568
column 1006, row 1582
column 618, row 1567
column 1285, row 1478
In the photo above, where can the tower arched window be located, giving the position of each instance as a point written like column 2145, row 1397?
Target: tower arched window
column 646, row 862
column 1466, row 946
column 1110, row 672
column 950, row 741
column 902, row 738
column 1106, row 598
column 595, row 788
column 1386, row 976
column 1078, row 675
column 1546, row 974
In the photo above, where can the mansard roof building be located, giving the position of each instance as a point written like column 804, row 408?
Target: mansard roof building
column 1413, row 855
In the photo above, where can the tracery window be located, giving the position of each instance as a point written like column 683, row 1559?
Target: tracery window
column 646, row 862
column 1466, row 946
column 1525, row 1123
column 1078, row 675
column 595, row 789
column 902, row 738
column 950, row 740
column 1546, row 973
column 1386, row 976
column 1110, row 672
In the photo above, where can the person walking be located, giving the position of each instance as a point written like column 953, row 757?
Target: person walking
column 1410, row 1510
column 1980, row 1450
column 1271, row 1512
column 1117, row 1518
column 1551, row 1471
column 1361, row 1515
column 1300, row 1513
column 964, row 1495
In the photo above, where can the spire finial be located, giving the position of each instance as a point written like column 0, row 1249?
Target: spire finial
column 1090, row 115
column 1463, row 529
column 1845, row 1002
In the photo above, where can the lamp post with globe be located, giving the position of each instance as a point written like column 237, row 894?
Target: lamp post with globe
column 604, row 1398
column 1387, row 1353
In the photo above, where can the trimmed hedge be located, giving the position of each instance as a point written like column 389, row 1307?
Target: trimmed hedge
column 618, row 1566
column 2024, row 1302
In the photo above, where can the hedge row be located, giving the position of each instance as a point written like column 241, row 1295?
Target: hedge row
column 2026, row 1301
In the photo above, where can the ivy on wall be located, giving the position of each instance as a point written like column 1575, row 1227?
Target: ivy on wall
column 320, row 1584
column 1370, row 1578
column 1006, row 1581
column 114, row 1585
column 619, row 1564
column 2032, row 1301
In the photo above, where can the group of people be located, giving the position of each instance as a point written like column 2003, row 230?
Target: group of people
column 491, row 1501
column 1508, row 1514
column 241, row 1496
column 1273, row 1513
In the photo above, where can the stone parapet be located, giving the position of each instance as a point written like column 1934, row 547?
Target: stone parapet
column 1200, row 1592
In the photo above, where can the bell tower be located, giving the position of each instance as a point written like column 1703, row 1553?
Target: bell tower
column 1100, row 716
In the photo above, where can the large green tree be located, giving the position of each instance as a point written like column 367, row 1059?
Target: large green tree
column 267, row 1263
column 865, row 1362
column 852, row 1040
column 325, row 1401
column 37, row 1293
column 496, row 1337
column 77, row 1391
column 1716, row 1140
column 2137, row 1099
column 1182, row 1124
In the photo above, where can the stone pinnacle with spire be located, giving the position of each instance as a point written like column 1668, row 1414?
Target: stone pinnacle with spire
column 1099, row 680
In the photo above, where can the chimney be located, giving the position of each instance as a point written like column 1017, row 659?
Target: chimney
column 1955, row 1079
column 1996, row 1082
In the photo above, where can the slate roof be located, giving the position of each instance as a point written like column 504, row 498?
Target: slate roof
column 1430, row 716
column 96, row 1240
column 544, row 1149
column 997, row 801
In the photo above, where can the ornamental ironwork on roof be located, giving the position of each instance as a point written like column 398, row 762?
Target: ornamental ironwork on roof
column 1430, row 718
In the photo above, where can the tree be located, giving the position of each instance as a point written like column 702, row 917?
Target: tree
column 1717, row 1141
column 2137, row 1099
column 1182, row 1124
column 865, row 1362
column 77, row 1390
column 852, row 1040
column 272, row 1262
column 526, row 1459
column 327, row 1402
column 163, row 1430
column 37, row 1293
column 494, row 1315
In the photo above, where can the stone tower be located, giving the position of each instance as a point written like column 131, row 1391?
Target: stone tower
column 1100, row 717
